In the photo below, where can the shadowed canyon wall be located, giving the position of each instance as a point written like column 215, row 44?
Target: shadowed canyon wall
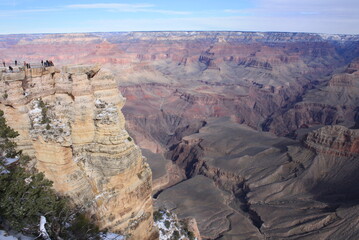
column 265, row 187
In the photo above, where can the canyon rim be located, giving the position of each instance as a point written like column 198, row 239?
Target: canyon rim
column 250, row 135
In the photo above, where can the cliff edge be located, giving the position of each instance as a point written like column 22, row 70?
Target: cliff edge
column 71, row 121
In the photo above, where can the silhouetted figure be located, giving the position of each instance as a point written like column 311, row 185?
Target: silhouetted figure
column 15, row 62
column 42, row 62
column 47, row 64
column 11, row 69
column 3, row 64
column 51, row 63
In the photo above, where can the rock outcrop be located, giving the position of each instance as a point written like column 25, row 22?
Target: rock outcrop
column 336, row 102
column 285, row 83
column 270, row 81
column 71, row 120
column 334, row 140
column 267, row 187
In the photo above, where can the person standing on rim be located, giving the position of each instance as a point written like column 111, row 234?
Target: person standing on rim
column 15, row 62
column 3, row 63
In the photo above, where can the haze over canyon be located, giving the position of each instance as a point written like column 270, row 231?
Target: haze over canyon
column 249, row 135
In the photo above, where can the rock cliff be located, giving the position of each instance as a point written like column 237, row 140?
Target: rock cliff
column 334, row 140
column 270, row 81
column 71, row 121
column 285, row 83
column 335, row 102
column 244, row 184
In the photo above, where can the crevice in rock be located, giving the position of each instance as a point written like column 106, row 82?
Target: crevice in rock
column 246, row 207
column 9, row 105
column 90, row 74
column 188, row 156
column 229, row 228
column 72, row 96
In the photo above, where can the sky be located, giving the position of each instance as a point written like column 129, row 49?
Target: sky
column 69, row 16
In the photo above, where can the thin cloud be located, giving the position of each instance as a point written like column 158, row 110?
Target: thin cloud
column 329, row 8
column 233, row 23
column 5, row 13
column 314, row 23
column 235, row 11
column 124, row 7
column 119, row 6
column 309, row 13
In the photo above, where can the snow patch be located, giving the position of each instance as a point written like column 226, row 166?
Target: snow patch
column 13, row 236
column 5, row 236
column 112, row 236
column 9, row 161
column 106, row 113
column 35, row 110
column 43, row 231
column 169, row 226
column 52, row 128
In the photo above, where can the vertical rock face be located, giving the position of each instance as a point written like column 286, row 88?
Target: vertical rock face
column 71, row 120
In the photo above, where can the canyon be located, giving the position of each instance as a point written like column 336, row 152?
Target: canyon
column 253, row 135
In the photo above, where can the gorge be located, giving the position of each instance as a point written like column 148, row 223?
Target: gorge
column 253, row 135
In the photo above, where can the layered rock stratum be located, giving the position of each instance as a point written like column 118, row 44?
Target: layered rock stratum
column 243, row 184
column 277, row 82
column 71, row 121
column 213, row 111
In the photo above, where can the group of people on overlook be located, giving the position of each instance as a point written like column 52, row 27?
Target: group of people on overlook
column 47, row 63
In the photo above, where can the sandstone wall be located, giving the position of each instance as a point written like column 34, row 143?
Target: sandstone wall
column 71, row 120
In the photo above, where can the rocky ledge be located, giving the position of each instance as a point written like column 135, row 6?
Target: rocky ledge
column 71, row 122
column 334, row 140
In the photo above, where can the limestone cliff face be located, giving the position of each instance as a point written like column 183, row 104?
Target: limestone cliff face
column 71, row 120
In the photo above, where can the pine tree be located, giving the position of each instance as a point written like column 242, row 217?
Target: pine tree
column 7, row 134
column 25, row 197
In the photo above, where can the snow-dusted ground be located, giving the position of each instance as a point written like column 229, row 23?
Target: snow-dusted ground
column 44, row 235
column 17, row 236
column 106, row 113
column 173, row 225
column 55, row 129
column 5, row 236
column 112, row 236
column 43, row 231
column 8, row 161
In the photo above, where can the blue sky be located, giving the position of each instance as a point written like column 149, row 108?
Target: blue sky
column 46, row 16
